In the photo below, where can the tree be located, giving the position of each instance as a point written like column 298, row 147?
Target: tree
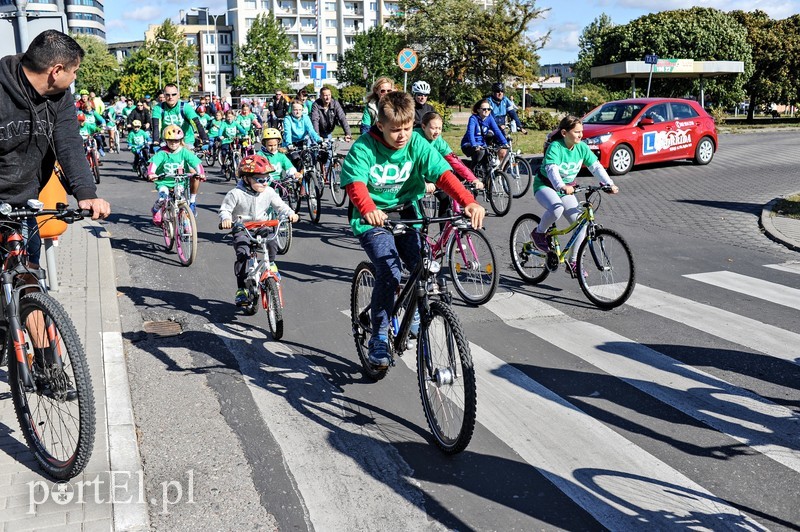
column 164, row 51
column 264, row 62
column 99, row 69
column 140, row 76
column 590, row 42
column 701, row 34
column 376, row 51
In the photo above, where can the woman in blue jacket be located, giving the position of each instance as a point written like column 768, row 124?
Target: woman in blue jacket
column 297, row 128
column 480, row 124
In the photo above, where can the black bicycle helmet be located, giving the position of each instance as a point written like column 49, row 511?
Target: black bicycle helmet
column 498, row 87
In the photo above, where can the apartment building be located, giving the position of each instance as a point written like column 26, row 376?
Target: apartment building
column 83, row 16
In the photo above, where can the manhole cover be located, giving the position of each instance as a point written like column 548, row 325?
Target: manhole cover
column 163, row 328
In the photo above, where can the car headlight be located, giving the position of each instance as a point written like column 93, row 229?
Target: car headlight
column 593, row 141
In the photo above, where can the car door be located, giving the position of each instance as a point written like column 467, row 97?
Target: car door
column 687, row 128
column 655, row 134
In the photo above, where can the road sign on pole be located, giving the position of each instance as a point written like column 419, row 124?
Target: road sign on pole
column 652, row 60
column 407, row 60
column 319, row 71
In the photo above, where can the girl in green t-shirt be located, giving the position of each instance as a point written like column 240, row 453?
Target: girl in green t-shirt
column 172, row 160
column 553, row 186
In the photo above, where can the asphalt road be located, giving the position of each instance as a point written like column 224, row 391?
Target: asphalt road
column 679, row 409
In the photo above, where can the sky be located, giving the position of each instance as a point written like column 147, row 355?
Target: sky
column 561, row 18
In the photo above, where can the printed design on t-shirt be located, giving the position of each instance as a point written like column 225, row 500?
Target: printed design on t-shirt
column 172, row 167
column 172, row 118
column 569, row 169
column 390, row 177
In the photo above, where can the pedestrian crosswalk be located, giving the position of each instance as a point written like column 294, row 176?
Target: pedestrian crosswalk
column 604, row 470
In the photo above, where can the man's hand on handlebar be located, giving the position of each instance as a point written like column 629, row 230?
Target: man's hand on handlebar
column 99, row 207
column 376, row 218
column 476, row 214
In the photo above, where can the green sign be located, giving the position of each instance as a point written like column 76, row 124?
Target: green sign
column 674, row 66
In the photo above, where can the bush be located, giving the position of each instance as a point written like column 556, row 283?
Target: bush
column 542, row 120
column 352, row 96
column 443, row 110
column 718, row 114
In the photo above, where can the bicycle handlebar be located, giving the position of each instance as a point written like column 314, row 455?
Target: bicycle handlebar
column 61, row 212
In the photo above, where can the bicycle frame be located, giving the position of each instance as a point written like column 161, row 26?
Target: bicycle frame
column 259, row 270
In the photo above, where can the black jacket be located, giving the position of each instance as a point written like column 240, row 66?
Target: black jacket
column 324, row 121
column 420, row 111
column 279, row 107
column 143, row 116
column 34, row 131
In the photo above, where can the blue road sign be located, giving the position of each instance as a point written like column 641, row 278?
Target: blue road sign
column 651, row 59
column 319, row 70
column 407, row 59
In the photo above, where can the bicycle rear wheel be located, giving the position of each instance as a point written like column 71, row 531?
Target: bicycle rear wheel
column 273, row 308
column 530, row 263
column 360, row 304
column 499, row 192
column 472, row 266
column 337, row 191
column 607, row 271
column 58, row 417
column 519, row 175
column 186, row 236
column 168, row 226
column 95, row 168
column 446, row 379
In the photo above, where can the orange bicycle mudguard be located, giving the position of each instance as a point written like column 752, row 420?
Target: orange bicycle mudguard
column 261, row 223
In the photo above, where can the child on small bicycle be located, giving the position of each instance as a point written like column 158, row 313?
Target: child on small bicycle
column 386, row 168
column 174, row 159
column 554, row 184
column 138, row 139
column 228, row 131
column 297, row 128
column 254, row 198
column 279, row 161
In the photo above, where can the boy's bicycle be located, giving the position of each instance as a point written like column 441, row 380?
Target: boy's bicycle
column 608, row 272
column 229, row 161
column 518, row 170
column 445, row 373
column 497, row 185
column 141, row 166
column 312, row 183
column 177, row 221
column 333, row 170
column 47, row 369
column 263, row 285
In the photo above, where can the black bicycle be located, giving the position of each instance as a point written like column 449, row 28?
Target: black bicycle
column 445, row 373
column 47, row 369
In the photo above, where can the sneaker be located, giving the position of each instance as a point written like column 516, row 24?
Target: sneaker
column 157, row 217
column 241, row 297
column 193, row 208
column 379, row 353
column 572, row 268
column 273, row 267
column 540, row 240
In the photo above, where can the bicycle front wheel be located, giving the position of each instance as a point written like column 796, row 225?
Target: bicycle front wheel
column 472, row 266
column 208, row 158
column 95, row 168
column 499, row 193
column 273, row 308
column 360, row 305
column 446, row 379
column 519, row 175
column 186, row 236
column 284, row 238
column 57, row 418
column 313, row 194
column 607, row 271
column 530, row 263
column 337, row 191
column 168, row 226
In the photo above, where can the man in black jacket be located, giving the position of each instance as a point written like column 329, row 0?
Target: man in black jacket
column 38, row 125
column 278, row 106
column 140, row 113
column 326, row 113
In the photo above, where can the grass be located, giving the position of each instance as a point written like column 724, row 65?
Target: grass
column 788, row 207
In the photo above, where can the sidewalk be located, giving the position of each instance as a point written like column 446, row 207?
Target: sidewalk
column 108, row 495
column 781, row 229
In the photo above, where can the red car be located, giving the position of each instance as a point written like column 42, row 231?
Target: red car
column 625, row 133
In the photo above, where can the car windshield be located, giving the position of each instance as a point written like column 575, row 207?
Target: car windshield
column 618, row 113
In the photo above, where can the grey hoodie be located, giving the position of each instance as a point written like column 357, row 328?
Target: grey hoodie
column 26, row 157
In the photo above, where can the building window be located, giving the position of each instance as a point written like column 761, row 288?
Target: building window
column 330, row 6
column 331, row 23
column 223, row 39
column 250, row 4
column 330, row 57
column 373, row 6
column 332, row 41
column 209, row 38
column 248, row 23
column 210, row 59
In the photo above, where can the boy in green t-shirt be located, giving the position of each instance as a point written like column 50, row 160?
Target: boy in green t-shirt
column 228, row 131
column 385, row 168
column 138, row 139
column 279, row 161
column 174, row 159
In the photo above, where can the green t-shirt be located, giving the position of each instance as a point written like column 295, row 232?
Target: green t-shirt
column 569, row 162
column 393, row 177
column 181, row 115
column 137, row 139
column 88, row 128
column 214, row 128
column 205, row 119
column 246, row 121
column 229, row 131
column 127, row 110
column 437, row 144
column 170, row 162
column 280, row 162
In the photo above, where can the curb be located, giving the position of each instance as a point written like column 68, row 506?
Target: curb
column 123, row 447
column 772, row 232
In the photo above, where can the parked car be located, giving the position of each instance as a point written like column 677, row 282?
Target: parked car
column 625, row 133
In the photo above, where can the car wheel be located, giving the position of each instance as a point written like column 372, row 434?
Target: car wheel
column 621, row 160
column 704, row 151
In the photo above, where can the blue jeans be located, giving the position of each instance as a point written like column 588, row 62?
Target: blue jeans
column 386, row 252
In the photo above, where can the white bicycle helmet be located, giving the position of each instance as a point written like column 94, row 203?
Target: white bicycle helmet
column 420, row 87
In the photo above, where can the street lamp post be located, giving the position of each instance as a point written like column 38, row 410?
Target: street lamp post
column 216, row 44
column 159, row 62
column 177, row 74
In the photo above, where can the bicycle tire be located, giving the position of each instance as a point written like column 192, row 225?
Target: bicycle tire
column 529, row 262
column 472, row 266
column 360, row 298
column 274, row 309
column 318, row 180
column 62, row 451
column 313, row 198
column 95, row 168
column 520, row 175
column 208, row 158
column 284, row 238
column 608, row 281
column 167, row 227
column 449, row 396
column 499, row 192
column 338, row 194
column 186, row 244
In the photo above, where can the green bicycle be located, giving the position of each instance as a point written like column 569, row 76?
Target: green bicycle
column 604, row 259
